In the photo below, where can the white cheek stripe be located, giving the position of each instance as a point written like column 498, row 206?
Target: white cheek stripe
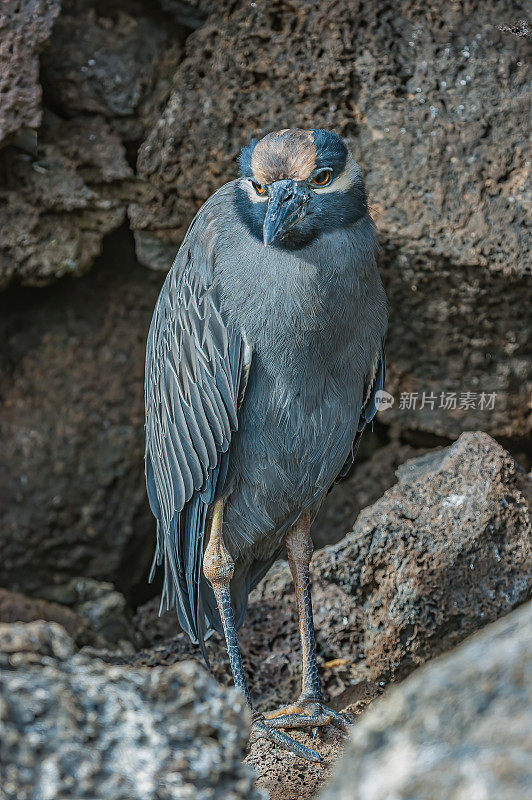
column 345, row 180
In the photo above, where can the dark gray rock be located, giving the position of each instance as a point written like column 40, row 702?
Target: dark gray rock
column 116, row 60
column 105, row 73
column 16, row 607
column 100, row 63
column 191, row 13
column 102, row 607
column 72, row 727
column 459, row 727
column 373, row 473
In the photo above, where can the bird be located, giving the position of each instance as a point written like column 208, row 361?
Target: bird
column 264, row 363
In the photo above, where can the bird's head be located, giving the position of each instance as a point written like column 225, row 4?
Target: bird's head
column 296, row 185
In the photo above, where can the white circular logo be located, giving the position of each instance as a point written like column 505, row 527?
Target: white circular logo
column 383, row 400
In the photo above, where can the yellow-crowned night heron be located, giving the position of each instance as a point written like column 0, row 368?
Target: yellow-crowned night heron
column 264, row 359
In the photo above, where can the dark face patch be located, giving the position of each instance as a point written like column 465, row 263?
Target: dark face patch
column 288, row 154
column 297, row 155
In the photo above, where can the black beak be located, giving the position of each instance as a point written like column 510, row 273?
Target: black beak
column 287, row 205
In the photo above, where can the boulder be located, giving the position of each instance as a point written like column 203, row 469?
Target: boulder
column 458, row 727
column 100, row 605
column 72, row 727
column 105, row 74
column 442, row 553
column 25, row 26
column 115, row 60
column 92, row 612
column 99, row 63
column 378, row 458
column 437, row 117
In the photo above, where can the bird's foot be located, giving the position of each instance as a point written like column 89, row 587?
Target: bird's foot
column 307, row 713
column 260, row 729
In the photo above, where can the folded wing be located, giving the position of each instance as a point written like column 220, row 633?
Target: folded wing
column 196, row 370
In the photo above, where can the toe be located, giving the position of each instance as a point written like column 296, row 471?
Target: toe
column 263, row 731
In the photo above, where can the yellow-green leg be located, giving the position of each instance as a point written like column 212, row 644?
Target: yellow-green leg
column 308, row 711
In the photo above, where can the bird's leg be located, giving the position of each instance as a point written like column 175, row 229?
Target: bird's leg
column 218, row 568
column 308, row 710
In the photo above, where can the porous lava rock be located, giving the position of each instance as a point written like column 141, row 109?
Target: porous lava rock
column 442, row 553
column 55, row 209
column 16, row 607
column 105, row 75
column 73, row 727
column 25, row 26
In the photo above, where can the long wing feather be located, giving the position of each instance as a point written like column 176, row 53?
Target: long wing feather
column 196, row 371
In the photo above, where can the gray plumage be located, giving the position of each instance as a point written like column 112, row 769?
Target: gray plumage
column 262, row 368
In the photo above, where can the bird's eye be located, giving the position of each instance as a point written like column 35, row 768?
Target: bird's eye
column 259, row 188
column 321, row 178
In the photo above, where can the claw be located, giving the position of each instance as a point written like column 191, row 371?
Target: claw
column 341, row 722
column 264, row 731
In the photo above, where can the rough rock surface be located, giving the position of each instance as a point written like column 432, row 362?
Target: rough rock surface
column 73, row 500
column 460, row 727
column 378, row 458
column 442, row 553
column 25, row 25
column 100, row 604
column 105, row 74
column 100, row 64
column 55, row 209
column 115, row 60
column 75, row 728
column 436, row 111
column 92, row 612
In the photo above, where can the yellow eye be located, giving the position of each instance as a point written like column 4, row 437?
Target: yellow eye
column 321, row 178
column 259, row 188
